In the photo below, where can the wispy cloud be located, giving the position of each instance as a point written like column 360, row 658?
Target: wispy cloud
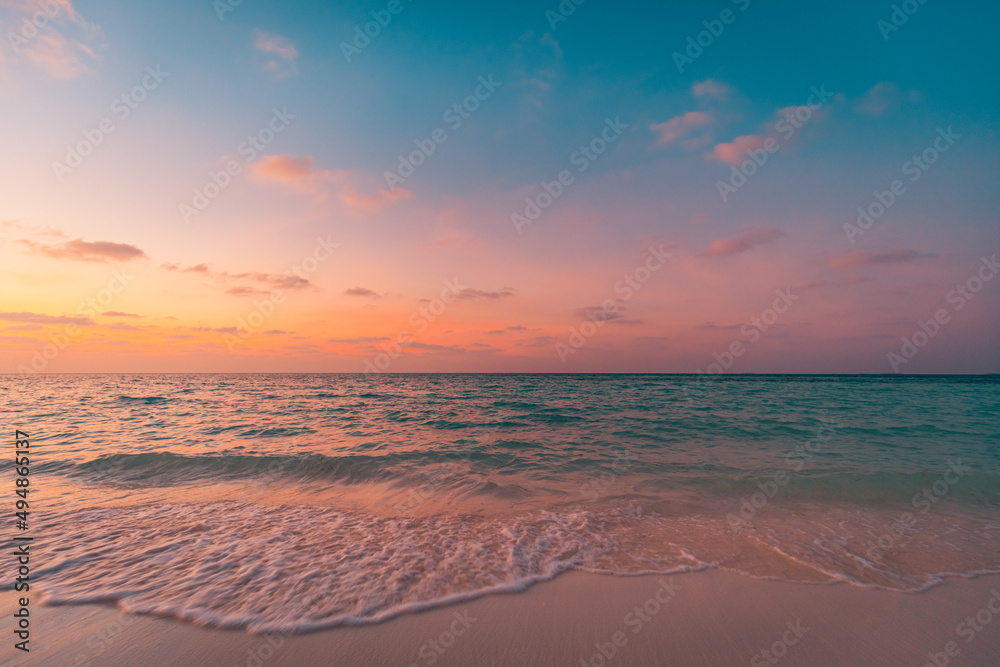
column 39, row 318
column 747, row 239
column 271, row 280
column 711, row 89
column 432, row 347
column 469, row 293
column 860, row 258
column 884, row 96
column 275, row 280
column 599, row 313
column 538, row 64
column 285, row 53
column 669, row 131
column 712, row 326
column 362, row 291
column 87, row 251
column 299, row 174
column 20, row 339
column 514, row 327
column 537, row 341
column 33, row 230
column 246, row 291
column 64, row 45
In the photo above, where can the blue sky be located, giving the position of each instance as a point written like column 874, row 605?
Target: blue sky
column 657, row 183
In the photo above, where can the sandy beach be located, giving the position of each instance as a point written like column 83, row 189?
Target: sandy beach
column 705, row 618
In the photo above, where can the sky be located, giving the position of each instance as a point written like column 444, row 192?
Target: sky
column 405, row 186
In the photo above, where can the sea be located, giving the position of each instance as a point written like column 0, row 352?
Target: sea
column 296, row 502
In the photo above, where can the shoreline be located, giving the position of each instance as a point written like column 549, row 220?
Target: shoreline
column 710, row 617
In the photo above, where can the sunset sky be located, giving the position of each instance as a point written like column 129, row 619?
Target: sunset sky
column 190, row 186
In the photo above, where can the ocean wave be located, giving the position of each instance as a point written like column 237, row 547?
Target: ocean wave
column 148, row 400
column 570, row 472
column 167, row 468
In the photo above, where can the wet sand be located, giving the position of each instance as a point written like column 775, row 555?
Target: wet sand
column 704, row 618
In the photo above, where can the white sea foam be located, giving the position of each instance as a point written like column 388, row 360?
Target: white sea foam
column 302, row 568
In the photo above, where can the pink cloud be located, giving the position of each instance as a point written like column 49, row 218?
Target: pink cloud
column 39, row 318
column 735, row 152
column 275, row 280
column 677, row 127
column 246, row 291
column 87, row 251
column 64, row 47
column 299, row 174
column 285, row 51
column 275, row 44
column 861, row 258
column 284, row 168
column 749, row 237
column 362, row 291
column 61, row 57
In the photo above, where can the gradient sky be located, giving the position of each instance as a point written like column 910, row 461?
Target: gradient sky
column 169, row 291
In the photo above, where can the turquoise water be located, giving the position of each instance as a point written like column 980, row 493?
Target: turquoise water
column 297, row 502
